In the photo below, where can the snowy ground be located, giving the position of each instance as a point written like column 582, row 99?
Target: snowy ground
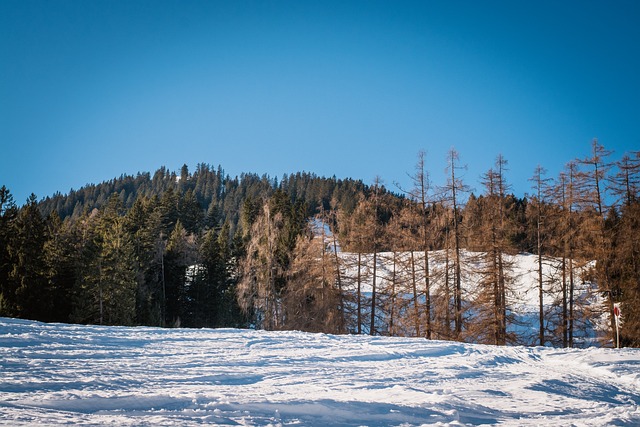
column 53, row 374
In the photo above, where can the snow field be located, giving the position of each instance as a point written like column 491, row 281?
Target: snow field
column 56, row 374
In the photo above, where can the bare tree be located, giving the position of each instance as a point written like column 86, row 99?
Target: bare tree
column 311, row 300
column 592, row 192
column 420, row 195
column 403, row 233
column 495, row 272
column 376, row 235
column 625, row 185
column 361, row 238
column 541, row 188
column 451, row 193
column 566, row 188
column 256, row 289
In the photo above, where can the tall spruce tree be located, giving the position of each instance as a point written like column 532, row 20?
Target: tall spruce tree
column 116, row 267
column 33, row 295
column 8, row 286
column 61, row 258
column 179, row 261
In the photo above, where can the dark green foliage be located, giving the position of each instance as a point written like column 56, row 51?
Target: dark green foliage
column 29, row 273
column 62, row 266
column 105, row 290
column 169, row 249
column 8, row 215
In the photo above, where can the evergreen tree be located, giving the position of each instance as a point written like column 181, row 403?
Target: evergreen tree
column 105, row 291
column 143, row 224
column 190, row 213
column 179, row 259
column 117, row 267
column 33, row 295
column 206, row 292
column 61, row 259
column 8, row 215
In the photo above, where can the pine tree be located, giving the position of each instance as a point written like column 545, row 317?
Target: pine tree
column 33, row 295
column 61, row 259
column 190, row 213
column 207, row 290
column 180, row 256
column 230, row 252
column 332, row 220
column 116, row 267
column 143, row 224
column 8, row 286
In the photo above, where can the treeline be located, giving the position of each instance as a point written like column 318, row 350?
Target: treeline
column 161, row 250
column 204, row 249
column 448, row 262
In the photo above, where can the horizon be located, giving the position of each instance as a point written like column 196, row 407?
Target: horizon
column 94, row 90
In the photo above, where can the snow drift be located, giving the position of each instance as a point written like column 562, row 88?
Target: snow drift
column 52, row 374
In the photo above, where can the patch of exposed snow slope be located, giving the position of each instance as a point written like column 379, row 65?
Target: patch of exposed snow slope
column 522, row 292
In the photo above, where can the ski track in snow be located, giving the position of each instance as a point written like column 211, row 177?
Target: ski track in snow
column 57, row 374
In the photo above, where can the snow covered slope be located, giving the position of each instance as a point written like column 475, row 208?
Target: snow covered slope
column 52, row 374
column 591, row 315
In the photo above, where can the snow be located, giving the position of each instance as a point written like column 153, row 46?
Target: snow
column 522, row 293
column 53, row 374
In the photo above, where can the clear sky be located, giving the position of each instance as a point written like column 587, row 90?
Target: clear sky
column 91, row 89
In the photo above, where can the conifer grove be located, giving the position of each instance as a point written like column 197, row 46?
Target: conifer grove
column 202, row 249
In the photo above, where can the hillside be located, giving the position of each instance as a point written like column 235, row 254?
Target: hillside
column 592, row 326
column 119, row 253
column 52, row 374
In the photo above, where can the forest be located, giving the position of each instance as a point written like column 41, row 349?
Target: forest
column 203, row 249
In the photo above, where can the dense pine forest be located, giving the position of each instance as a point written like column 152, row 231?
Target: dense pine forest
column 203, row 249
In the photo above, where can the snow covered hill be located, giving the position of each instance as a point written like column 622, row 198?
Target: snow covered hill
column 52, row 374
column 394, row 271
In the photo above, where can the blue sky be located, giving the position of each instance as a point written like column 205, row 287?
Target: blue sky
column 93, row 89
